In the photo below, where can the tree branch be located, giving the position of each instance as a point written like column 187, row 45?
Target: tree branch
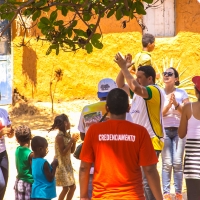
column 17, row 12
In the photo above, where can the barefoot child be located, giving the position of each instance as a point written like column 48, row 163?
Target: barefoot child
column 44, row 187
column 23, row 157
column 64, row 145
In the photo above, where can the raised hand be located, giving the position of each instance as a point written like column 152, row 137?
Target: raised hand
column 129, row 61
column 123, row 61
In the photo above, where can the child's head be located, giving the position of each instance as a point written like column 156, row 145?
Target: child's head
column 39, row 146
column 61, row 122
column 148, row 41
column 23, row 134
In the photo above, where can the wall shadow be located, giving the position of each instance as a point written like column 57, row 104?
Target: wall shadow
column 29, row 68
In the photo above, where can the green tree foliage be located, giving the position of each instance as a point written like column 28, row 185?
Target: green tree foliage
column 66, row 33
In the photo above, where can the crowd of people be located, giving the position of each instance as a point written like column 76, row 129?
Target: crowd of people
column 119, row 156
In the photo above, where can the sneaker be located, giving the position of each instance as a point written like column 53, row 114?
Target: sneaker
column 167, row 197
column 179, row 196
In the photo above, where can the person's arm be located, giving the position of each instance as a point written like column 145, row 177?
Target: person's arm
column 166, row 108
column 8, row 130
column 177, row 105
column 153, row 178
column 73, row 146
column 50, row 174
column 2, row 132
column 10, row 134
column 61, row 145
column 31, row 155
column 182, row 130
column 132, row 83
column 121, row 83
column 84, row 173
column 82, row 136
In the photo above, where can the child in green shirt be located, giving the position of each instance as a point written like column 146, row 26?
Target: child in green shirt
column 23, row 158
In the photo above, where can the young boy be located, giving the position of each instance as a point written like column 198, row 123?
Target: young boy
column 143, row 58
column 23, row 157
column 44, row 186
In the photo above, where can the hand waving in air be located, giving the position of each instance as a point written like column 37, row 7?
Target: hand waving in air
column 123, row 61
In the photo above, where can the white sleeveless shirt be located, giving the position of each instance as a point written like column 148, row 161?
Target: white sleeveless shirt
column 193, row 128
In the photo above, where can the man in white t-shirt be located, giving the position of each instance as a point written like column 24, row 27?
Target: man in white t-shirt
column 93, row 113
column 147, row 104
column 5, row 129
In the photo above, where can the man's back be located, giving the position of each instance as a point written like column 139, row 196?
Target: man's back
column 91, row 114
column 118, row 148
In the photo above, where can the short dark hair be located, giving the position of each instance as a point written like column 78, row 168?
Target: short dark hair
column 38, row 141
column 59, row 122
column 176, row 74
column 147, row 38
column 148, row 71
column 23, row 133
column 117, row 101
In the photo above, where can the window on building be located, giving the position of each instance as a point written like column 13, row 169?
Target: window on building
column 160, row 18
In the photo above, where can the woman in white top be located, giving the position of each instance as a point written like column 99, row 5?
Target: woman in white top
column 190, row 127
column 172, row 154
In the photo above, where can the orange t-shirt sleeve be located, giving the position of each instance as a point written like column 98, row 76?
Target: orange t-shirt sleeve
column 87, row 152
column 147, row 155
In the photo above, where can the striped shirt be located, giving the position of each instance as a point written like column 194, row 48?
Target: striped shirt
column 192, row 159
column 192, row 149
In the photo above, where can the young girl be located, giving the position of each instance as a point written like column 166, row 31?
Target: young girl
column 23, row 158
column 44, row 187
column 64, row 145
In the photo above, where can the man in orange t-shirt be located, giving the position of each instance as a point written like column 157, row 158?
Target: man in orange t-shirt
column 118, row 148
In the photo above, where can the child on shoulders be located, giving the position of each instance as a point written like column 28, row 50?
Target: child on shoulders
column 143, row 58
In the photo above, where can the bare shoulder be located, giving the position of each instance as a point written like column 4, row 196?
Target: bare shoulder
column 59, row 138
column 187, row 108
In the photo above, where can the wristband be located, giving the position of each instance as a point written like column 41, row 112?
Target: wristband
column 176, row 107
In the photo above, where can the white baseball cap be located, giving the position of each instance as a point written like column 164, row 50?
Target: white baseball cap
column 105, row 86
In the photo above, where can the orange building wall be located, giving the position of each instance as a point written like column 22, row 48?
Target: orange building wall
column 187, row 16
column 82, row 71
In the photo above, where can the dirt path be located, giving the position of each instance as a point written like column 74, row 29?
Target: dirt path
column 39, row 119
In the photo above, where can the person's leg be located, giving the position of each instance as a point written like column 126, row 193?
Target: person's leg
column 3, row 173
column 147, row 190
column 28, row 187
column 166, row 164
column 70, row 194
column 178, row 151
column 193, row 189
column 63, row 193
